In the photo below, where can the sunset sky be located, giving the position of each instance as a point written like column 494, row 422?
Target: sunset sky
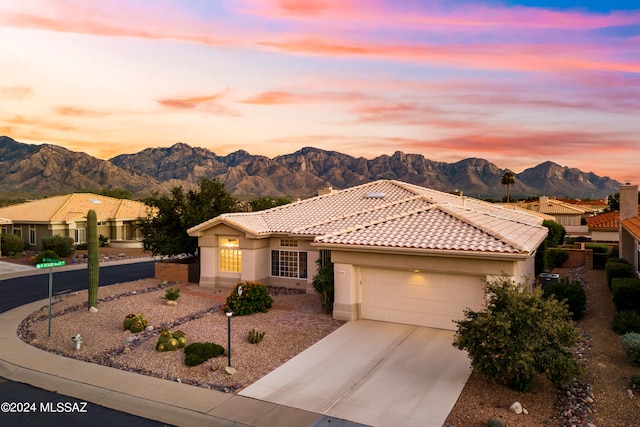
column 514, row 82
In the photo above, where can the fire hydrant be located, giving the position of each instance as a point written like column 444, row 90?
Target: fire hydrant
column 77, row 340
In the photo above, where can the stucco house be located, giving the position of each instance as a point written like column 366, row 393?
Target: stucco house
column 401, row 253
column 66, row 215
column 568, row 215
column 630, row 226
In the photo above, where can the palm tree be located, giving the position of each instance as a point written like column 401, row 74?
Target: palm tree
column 507, row 179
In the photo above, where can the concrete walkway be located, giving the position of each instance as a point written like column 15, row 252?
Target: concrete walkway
column 375, row 373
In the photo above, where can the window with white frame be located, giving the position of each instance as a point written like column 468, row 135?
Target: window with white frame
column 230, row 255
column 32, row 234
column 80, row 235
column 286, row 263
column 17, row 230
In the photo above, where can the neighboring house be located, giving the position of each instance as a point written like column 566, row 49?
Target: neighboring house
column 568, row 215
column 605, row 227
column 67, row 216
column 401, row 253
column 630, row 226
column 516, row 207
column 591, row 207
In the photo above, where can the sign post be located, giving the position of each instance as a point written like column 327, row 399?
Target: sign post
column 50, row 263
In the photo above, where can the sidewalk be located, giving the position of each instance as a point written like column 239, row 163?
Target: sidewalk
column 149, row 397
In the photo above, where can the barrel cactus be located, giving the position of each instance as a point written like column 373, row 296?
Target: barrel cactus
column 172, row 344
column 134, row 323
column 168, row 341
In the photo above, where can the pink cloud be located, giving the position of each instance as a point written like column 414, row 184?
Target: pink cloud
column 67, row 110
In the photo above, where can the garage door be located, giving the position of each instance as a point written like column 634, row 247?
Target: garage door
column 419, row 298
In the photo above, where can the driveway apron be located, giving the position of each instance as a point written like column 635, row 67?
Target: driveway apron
column 374, row 373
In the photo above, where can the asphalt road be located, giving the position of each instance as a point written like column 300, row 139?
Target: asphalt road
column 24, row 405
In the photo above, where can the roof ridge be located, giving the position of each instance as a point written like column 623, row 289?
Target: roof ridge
column 64, row 205
column 450, row 210
column 364, row 211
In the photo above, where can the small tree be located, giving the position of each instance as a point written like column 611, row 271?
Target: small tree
column 323, row 283
column 518, row 334
column 12, row 244
column 165, row 230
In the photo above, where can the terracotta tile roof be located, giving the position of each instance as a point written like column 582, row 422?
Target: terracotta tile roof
column 633, row 226
column 5, row 221
column 69, row 207
column 395, row 214
column 608, row 220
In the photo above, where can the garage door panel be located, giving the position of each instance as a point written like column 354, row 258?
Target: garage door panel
column 425, row 299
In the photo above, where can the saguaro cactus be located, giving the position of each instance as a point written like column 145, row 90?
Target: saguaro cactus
column 93, row 266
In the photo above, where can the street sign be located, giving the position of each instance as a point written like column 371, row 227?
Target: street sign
column 50, row 264
column 49, row 259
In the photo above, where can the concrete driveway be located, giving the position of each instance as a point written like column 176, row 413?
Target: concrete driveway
column 373, row 373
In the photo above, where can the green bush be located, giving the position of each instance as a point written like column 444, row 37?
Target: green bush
column 46, row 254
column 12, row 245
column 82, row 246
column 570, row 292
column 517, row 334
column 631, row 346
column 614, row 252
column 556, row 257
column 617, row 267
column 626, row 321
column 626, row 293
column 255, row 298
column 61, row 245
column 493, row 422
column 597, row 248
column 199, row 352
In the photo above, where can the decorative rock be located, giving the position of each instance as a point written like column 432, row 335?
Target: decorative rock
column 516, row 408
column 214, row 367
column 149, row 328
column 169, row 302
column 229, row 370
column 179, row 380
column 524, row 411
column 93, row 310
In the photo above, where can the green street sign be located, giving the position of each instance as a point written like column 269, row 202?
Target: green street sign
column 50, row 264
column 49, row 259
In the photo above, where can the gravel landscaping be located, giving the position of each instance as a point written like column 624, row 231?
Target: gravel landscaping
column 293, row 324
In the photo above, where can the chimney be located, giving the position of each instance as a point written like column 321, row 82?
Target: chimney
column 628, row 201
column 543, row 201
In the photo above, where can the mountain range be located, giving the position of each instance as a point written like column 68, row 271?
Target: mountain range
column 28, row 170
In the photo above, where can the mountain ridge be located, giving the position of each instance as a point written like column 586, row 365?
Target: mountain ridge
column 41, row 170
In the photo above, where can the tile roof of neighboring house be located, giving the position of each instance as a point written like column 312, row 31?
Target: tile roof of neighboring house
column 607, row 220
column 70, row 207
column 517, row 208
column 633, row 225
column 553, row 207
column 5, row 221
column 394, row 214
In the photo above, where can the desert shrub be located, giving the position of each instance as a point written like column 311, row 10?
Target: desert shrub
column 82, row 246
column 493, row 422
column 255, row 298
column 617, row 267
column 556, row 233
column 614, row 252
column 255, row 337
column 626, row 321
column 626, row 293
column 172, row 294
column 199, row 352
column 570, row 292
column 323, row 284
column 103, row 241
column 12, row 245
column 46, row 254
column 61, row 245
column 517, row 334
column 631, row 346
column 556, row 257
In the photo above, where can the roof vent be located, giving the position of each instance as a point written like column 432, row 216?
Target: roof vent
column 95, row 201
column 375, row 195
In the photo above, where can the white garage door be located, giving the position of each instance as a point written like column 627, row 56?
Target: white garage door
column 418, row 298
